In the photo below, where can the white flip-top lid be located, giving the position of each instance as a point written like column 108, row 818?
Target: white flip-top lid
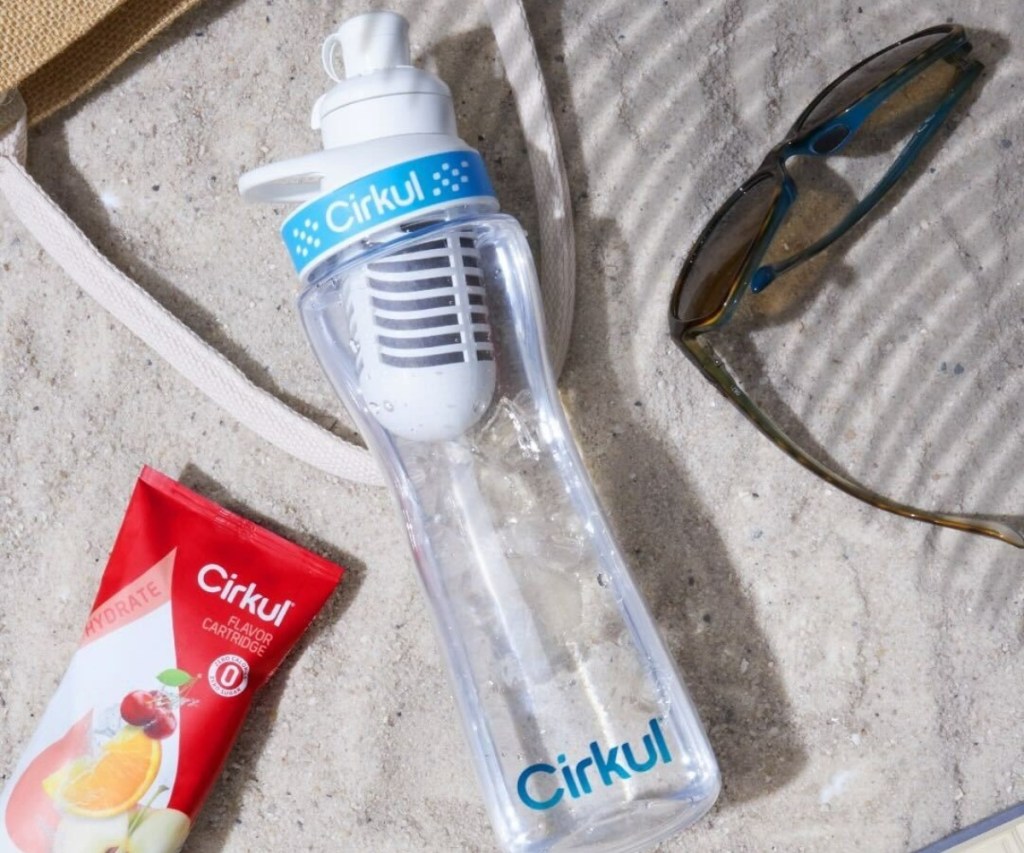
column 382, row 93
column 382, row 99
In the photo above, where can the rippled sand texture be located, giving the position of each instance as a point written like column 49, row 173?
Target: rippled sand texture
column 858, row 673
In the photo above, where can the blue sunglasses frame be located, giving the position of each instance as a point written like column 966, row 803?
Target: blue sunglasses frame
column 720, row 294
column 955, row 48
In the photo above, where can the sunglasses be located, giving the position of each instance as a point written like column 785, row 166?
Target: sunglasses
column 931, row 70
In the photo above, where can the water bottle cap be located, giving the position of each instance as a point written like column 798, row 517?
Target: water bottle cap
column 382, row 112
column 369, row 42
column 380, row 94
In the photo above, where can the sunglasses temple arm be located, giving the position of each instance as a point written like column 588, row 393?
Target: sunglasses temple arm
column 714, row 370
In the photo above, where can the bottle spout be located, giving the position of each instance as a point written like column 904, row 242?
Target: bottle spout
column 381, row 109
column 378, row 93
column 375, row 41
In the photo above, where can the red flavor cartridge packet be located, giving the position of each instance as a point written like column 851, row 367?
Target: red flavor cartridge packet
column 196, row 609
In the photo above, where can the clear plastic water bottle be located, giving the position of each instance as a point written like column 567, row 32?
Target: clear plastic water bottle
column 421, row 303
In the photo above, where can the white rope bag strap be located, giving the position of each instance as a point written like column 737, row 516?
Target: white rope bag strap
column 176, row 343
column 209, row 370
column 550, row 184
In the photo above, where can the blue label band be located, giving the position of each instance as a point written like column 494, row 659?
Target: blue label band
column 326, row 224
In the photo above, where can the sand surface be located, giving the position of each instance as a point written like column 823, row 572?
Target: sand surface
column 858, row 674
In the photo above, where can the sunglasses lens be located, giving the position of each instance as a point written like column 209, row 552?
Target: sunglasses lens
column 717, row 260
column 865, row 77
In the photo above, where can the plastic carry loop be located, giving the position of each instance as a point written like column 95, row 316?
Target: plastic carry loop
column 213, row 373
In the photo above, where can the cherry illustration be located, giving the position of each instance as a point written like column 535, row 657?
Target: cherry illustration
column 162, row 725
column 140, row 707
column 152, row 711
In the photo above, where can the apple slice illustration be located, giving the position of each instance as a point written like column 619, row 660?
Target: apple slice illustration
column 145, row 831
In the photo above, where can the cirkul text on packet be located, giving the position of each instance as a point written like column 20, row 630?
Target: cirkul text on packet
column 604, row 765
column 343, row 213
column 217, row 580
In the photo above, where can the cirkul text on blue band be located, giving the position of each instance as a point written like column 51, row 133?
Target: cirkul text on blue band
column 344, row 213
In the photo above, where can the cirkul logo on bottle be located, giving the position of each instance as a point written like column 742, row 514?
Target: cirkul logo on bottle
column 604, row 764
column 394, row 194
column 215, row 579
column 345, row 212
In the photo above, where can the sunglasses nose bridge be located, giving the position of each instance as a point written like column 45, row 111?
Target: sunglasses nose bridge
column 830, row 139
column 833, row 135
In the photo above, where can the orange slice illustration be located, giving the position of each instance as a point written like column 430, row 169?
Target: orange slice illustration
column 111, row 783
